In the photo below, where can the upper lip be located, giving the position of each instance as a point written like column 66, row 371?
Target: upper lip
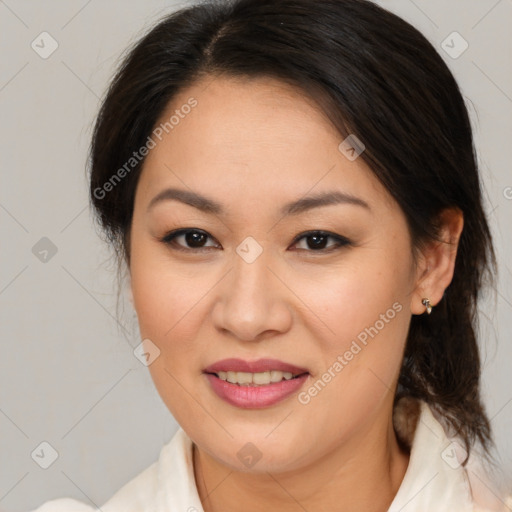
column 260, row 365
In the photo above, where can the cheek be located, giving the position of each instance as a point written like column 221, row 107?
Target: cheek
column 171, row 301
column 167, row 306
column 361, row 358
column 365, row 290
column 159, row 299
column 162, row 290
column 365, row 316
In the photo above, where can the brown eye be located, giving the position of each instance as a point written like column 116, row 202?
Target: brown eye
column 187, row 239
column 196, row 239
column 317, row 241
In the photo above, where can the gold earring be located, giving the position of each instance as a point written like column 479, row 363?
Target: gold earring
column 428, row 306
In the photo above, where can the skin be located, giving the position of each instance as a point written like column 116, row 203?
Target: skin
column 254, row 145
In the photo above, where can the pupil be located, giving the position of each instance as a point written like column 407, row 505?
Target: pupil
column 194, row 239
column 317, row 244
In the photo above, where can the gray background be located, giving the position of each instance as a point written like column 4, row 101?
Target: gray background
column 68, row 373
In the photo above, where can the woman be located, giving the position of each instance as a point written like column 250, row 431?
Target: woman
column 293, row 188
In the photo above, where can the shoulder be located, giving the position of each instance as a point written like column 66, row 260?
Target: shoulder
column 437, row 461
column 135, row 495
column 168, row 480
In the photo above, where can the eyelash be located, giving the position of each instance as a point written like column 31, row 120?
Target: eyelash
column 169, row 239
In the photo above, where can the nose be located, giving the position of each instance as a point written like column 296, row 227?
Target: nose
column 253, row 303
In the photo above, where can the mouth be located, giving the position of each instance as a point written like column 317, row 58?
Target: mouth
column 256, row 384
column 256, row 379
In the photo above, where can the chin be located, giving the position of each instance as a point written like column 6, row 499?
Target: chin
column 252, row 450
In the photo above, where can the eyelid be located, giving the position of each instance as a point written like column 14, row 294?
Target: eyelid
column 341, row 240
column 169, row 238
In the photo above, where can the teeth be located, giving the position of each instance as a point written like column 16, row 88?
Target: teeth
column 260, row 378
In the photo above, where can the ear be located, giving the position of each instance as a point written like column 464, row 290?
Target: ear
column 436, row 261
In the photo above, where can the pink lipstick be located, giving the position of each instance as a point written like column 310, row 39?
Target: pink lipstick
column 255, row 384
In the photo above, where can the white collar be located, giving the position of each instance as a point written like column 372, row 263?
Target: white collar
column 434, row 480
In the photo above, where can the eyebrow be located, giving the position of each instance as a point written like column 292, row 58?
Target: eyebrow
column 301, row 205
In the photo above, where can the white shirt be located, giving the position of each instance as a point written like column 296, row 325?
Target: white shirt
column 434, row 481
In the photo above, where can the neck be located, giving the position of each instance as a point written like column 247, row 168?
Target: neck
column 364, row 474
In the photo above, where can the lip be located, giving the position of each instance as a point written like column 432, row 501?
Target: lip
column 260, row 365
column 254, row 397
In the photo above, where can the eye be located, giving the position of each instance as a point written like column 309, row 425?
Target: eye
column 316, row 241
column 188, row 239
column 195, row 238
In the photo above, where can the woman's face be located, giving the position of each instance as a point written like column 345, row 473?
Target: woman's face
column 248, row 282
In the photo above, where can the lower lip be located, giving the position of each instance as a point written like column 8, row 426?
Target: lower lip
column 255, row 397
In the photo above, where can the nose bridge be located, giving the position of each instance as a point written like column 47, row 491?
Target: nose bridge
column 249, row 266
column 249, row 281
column 252, row 300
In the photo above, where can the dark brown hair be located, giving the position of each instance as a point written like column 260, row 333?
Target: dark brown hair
column 374, row 76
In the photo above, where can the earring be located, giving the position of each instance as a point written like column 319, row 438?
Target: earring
column 428, row 306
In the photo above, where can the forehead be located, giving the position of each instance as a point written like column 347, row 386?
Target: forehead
column 248, row 137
